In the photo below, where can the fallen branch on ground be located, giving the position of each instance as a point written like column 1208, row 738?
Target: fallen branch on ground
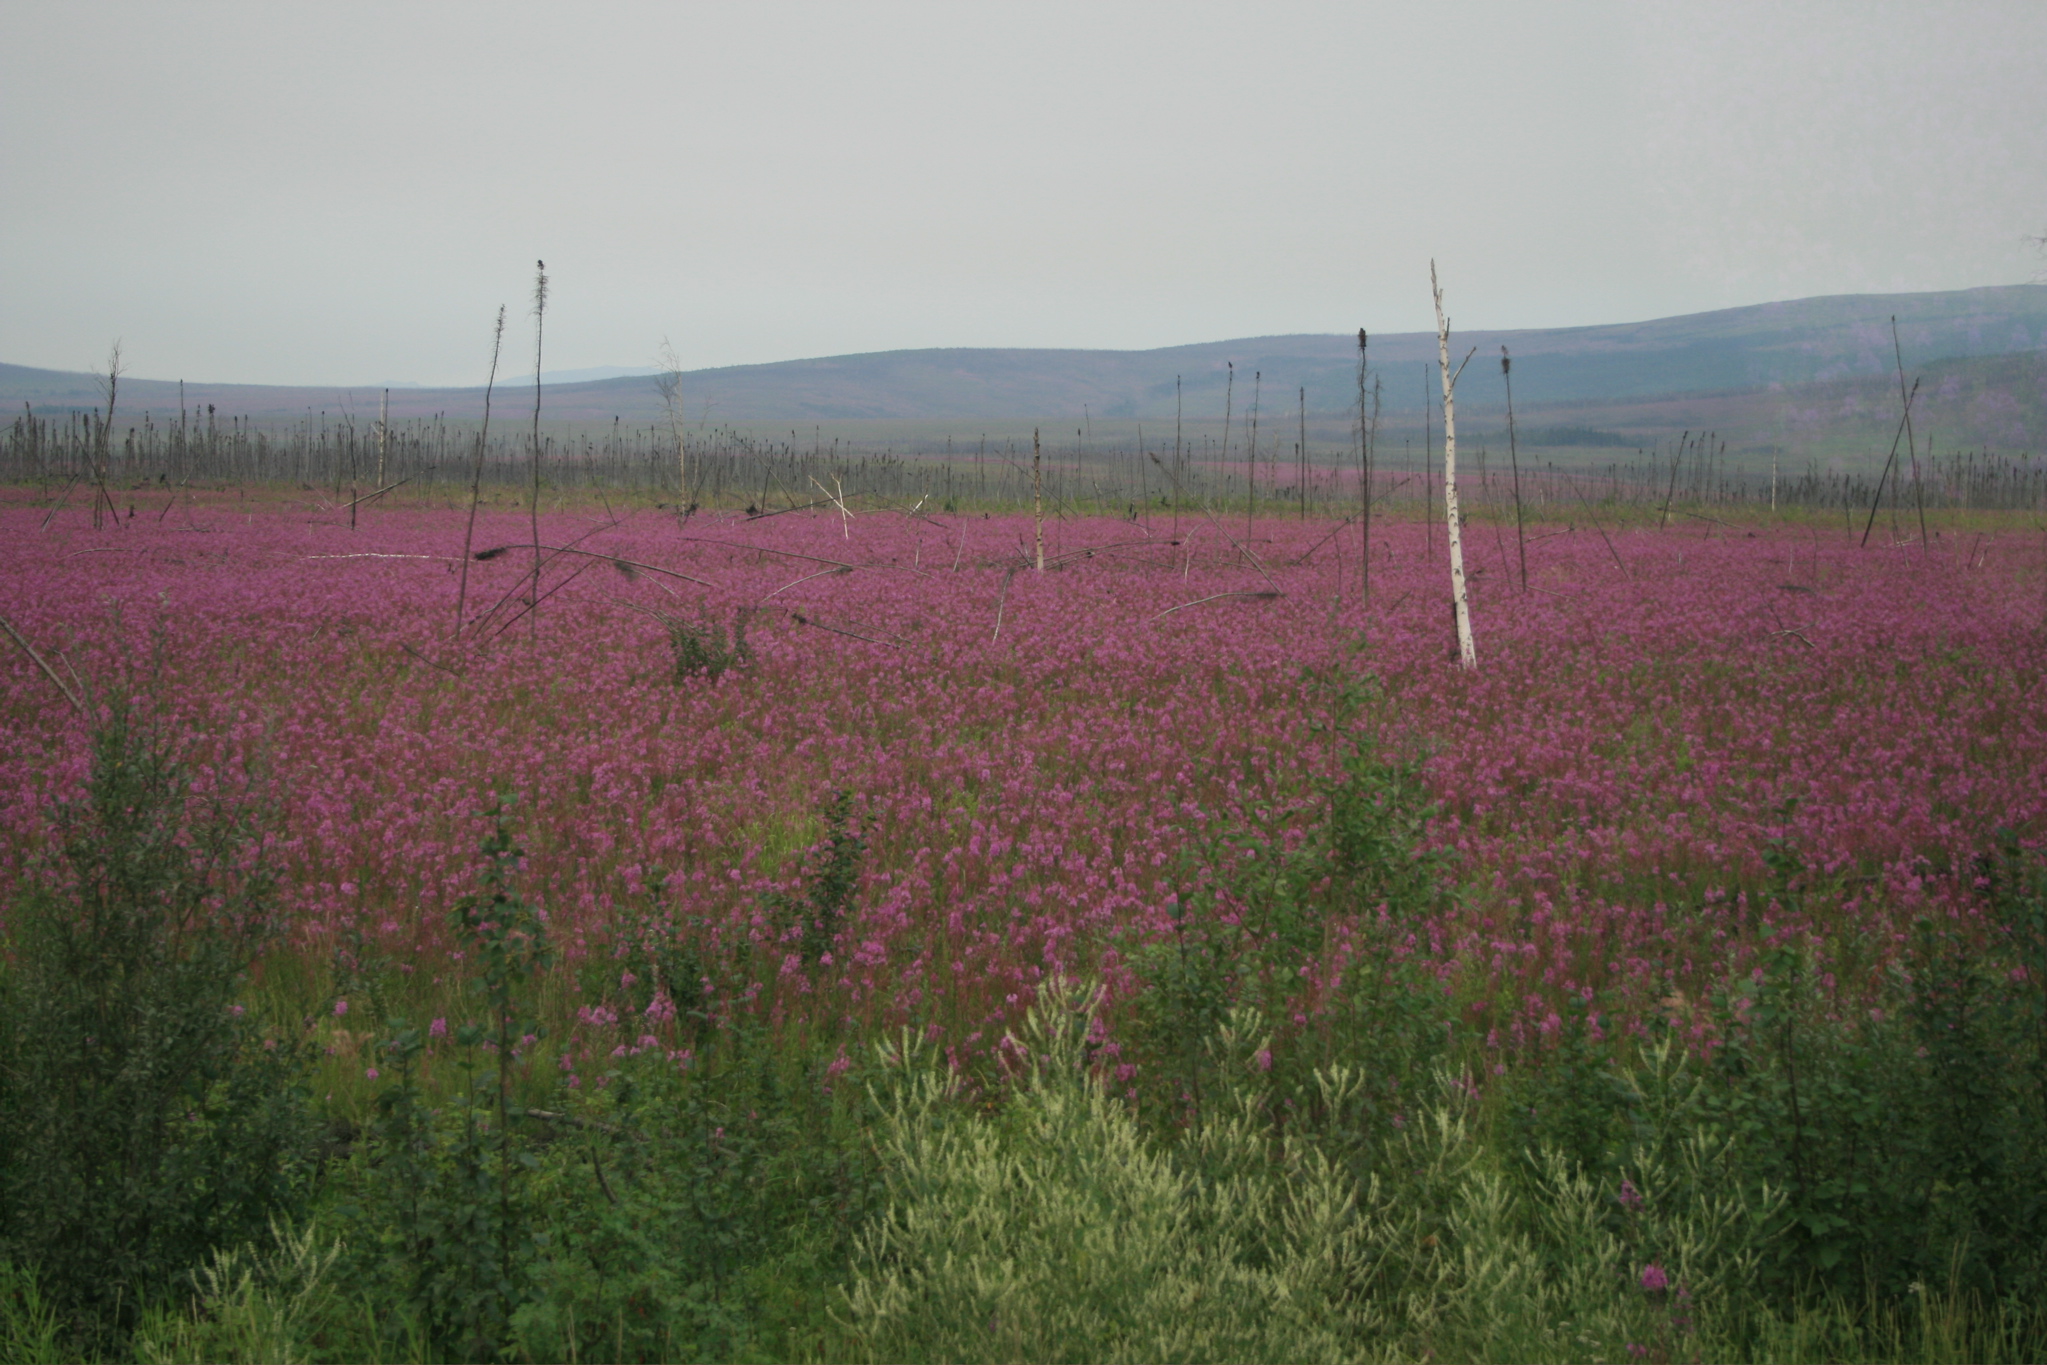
column 429, row 662
column 800, row 619
column 77, row 702
column 1217, row 597
column 495, row 551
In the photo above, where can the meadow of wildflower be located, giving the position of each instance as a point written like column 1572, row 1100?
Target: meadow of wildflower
column 1668, row 986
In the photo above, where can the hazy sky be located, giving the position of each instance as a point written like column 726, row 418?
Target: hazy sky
column 344, row 193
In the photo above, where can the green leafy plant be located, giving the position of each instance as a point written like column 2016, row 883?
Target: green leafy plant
column 1573, row 1099
column 1254, row 917
column 700, row 1212
column 31, row 1329
column 1052, row 1231
column 704, row 650
column 146, row 1116
column 832, row 879
column 1905, row 1137
column 652, row 956
column 255, row 1303
column 445, row 1198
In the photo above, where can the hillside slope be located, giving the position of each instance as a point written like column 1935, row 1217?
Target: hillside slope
column 1778, row 374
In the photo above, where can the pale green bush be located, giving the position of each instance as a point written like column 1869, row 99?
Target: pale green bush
column 1052, row 1230
column 31, row 1328
column 249, row 1305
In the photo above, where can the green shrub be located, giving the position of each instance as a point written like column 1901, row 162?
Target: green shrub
column 700, row 1213
column 439, row 1206
column 661, row 1212
column 832, row 879
column 249, row 1306
column 1909, row 1138
column 31, row 1330
column 146, row 1118
column 1253, row 915
column 1573, row 1097
column 1051, row 1231
column 703, row 650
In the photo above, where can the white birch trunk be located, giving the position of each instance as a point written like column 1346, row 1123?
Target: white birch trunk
column 1460, row 606
column 1038, row 498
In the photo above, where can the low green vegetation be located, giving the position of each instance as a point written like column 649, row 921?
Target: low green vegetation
column 1286, row 1142
column 147, row 1116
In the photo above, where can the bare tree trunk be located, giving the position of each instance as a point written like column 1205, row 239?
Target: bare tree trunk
column 1251, row 465
column 1676, row 462
column 383, row 435
column 1911, row 442
column 353, row 488
column 1877, row 502
column 1038, row 497
column 1514, row 455
column 497, row 341
column 1301, row 454
column 102, row 454
column 1364, row 474
column 1143, row 479
column 539, row 334
column 1460, row 606
column 1229, row 397
column 1176, row 458
column 670, row 385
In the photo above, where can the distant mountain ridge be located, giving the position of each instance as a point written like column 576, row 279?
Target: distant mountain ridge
column 1564, row 378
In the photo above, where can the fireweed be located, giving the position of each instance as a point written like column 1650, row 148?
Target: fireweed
column 1721, row 797
column 1608, row 784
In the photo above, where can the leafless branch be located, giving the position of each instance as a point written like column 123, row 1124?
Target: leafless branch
column 1217, row 597
column 77, row 703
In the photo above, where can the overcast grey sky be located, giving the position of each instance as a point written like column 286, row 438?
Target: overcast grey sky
column 345, row 193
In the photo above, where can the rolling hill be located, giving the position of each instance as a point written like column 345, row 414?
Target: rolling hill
column 1806, row 377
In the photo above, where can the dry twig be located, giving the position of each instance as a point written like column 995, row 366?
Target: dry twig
column 76, row 701
column 1217, row 597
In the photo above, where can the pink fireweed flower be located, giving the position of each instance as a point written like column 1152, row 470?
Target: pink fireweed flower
column 437, row 1029
column 1602, row 796
column 1653, row 1278
column 340, row 1008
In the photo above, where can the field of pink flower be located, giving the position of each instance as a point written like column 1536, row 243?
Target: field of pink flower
column 1646, row 718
